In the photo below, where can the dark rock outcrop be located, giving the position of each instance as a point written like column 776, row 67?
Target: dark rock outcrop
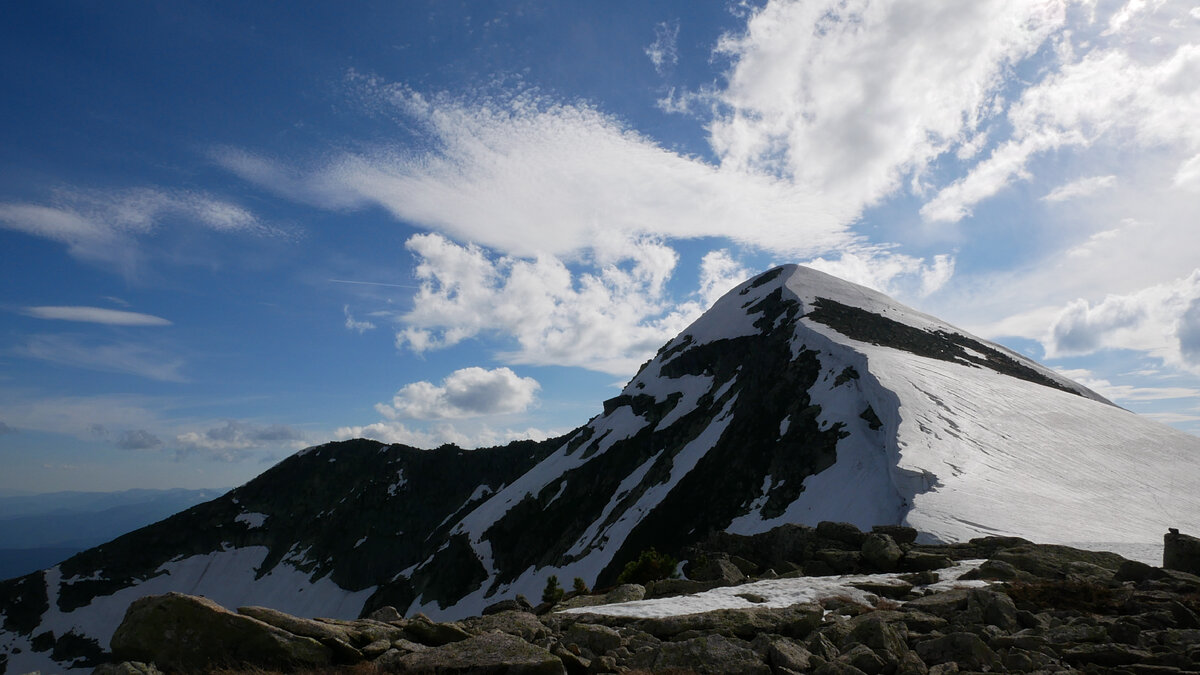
column 179, row 632
column 1181, row 552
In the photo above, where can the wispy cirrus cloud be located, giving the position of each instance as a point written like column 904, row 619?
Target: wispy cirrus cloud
column 112, row 357
column 663, row 52
column 104, row 225
column 112, row 317
column 503, row 169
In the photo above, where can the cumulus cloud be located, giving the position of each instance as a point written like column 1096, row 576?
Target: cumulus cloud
column 468, row 392
column 719, row 272
column 1162, row 320
column 111, row 317
column 662, row 51
column 236, row 440
column 121, row 357
column 5, row 429
column 606, row 320
column 138, row 439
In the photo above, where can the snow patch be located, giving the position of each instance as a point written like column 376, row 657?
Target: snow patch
column 777, row 593
column 252, row 521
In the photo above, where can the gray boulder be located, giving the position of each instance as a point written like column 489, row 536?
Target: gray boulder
column 625, row 593
column 715, row 568
column 967, row 650
column 295, row 625
column 707, row 654
column 189, row 633
column 493, row 653
column 881, row 552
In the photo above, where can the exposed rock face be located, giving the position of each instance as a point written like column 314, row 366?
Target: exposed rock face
column 497, row 653
column 179, row 632
column 1181, row 552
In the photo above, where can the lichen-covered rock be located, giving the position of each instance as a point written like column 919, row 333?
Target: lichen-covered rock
column 718, row 569
column 707, row 654
column 421, row 629
column 189, row 633
column 297, row 626
column 967, row 650
column 1181, row 552
column 881, row 552
column 524, row 625
column 386, row 613
column 625, row 593
column 592, row 637
column 493, row 653
column 922, row 561
column 795, row 621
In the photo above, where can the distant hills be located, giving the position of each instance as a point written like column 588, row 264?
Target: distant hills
column 39, row 530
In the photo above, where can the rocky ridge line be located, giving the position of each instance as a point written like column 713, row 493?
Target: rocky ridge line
column 1050, row 609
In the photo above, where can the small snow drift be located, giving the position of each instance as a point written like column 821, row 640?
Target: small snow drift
column 797, row 398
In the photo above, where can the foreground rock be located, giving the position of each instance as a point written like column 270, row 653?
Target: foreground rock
column 1029, row 608
column 179, row 632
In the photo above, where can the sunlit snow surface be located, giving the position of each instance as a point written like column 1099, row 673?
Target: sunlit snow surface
column 966, row 451
column 774, row 593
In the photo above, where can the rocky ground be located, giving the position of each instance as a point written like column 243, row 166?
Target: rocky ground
column 1049, row 609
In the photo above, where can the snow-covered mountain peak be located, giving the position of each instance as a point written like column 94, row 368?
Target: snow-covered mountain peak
column 796, row 398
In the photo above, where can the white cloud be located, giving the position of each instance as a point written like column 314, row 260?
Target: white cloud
column 235, row 440
column 111, row 317
column 1080, row 188
column 719, row 272
column 1161, row 320
column 1107, row 96
column 529, row 177
column 354, row 324
column 464, row 436
column 1127, row 393
column 891, row 273
column 468, row 392
column 606, row 320
column 103, row 226
column 846, row 99
column 662, row 51
column 130, row 358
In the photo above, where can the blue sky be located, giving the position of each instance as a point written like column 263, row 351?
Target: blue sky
column 231, row 230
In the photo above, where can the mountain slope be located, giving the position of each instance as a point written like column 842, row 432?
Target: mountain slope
column 797, row 398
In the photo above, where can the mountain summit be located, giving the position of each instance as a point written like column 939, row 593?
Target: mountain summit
column 797, row 398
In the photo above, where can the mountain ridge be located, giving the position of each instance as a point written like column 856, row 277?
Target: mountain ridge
column 797, row 398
